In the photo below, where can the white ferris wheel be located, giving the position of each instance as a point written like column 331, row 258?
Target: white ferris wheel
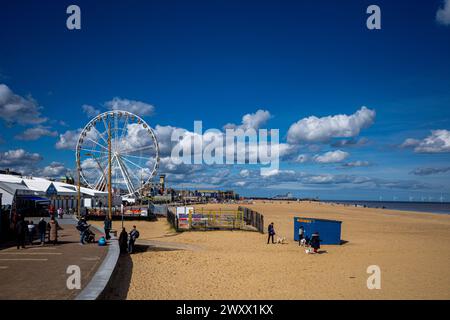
column 134, row 155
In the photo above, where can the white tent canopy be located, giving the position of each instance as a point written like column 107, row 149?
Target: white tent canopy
column 9, row 184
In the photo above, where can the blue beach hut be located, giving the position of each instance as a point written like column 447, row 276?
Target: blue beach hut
column 329, row 230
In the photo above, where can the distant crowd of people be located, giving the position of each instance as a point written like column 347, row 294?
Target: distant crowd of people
column 26, row 231
column 126, row 240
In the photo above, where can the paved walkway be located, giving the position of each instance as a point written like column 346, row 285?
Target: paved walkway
column 39, row 272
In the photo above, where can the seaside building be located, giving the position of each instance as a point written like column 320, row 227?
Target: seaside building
column 26, row 193
column 217, row 195
column 287, row 196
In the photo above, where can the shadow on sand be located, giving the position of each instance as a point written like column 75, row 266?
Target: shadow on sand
column 119, row 283
column 149, row 247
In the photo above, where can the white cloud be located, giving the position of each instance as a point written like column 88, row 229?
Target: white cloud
column 32, row 134
column 16, row 109
column 357, row 163
column 280, row 174
column 244, row 173
column 163, row 135
column 302, row 158
column 89, row 163
column 68, row 140
column 443, row 14
column 26, row 163
column 239, row 184
column 90, row 110
column 19, row 160
column 331, row 157
column 429, row 171
column 437, row 142
column 251, row 120
column 410, row 143
column 137, row 107
column 54, row 170
column 343, row 143
column 137, row 136
column 314, row 129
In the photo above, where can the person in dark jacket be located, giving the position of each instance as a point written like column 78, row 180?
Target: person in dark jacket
column 107, row 226
column 315, row 241
column 134, row 234
column 21, row 229
column 123, row 241
column 271, row 231
column 42, row 228
column 82, row 227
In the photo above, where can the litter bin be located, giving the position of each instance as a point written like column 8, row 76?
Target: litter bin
column 329, row 230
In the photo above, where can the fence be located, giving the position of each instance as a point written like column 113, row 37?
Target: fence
column 172, row 219
column 203, row 219
column 253, row 218
column 158, row 209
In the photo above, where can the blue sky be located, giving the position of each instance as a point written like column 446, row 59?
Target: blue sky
column 217, row 61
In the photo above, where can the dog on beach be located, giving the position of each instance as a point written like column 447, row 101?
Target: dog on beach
column 303, row 242
column 281, row 240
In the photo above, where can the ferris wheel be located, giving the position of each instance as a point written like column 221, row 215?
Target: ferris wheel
column 134, row 156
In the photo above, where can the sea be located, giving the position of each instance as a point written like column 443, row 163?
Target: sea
column 430, row 207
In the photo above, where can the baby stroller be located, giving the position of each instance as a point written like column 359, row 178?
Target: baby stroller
column 89, row 236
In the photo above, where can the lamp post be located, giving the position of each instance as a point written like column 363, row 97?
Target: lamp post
column 79, row 188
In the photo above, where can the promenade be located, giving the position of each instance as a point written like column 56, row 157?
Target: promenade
column 40, row 272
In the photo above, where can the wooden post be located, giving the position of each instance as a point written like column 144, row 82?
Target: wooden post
column 109, row 172
column 79, row 186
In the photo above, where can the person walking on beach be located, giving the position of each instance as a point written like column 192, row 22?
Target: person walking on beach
column 42, row 228
column 134, row 234
column 107, row 226
column 271, row 231
column 123, row 241
column 315, row 241
column 301, row 235
column 54, row 227
column 21, row 230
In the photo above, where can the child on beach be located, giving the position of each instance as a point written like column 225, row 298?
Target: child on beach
column 301, row 235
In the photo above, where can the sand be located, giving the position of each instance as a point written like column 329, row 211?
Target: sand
column 412, row 250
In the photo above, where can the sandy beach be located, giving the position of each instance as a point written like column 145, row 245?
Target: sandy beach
column 412, row 250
